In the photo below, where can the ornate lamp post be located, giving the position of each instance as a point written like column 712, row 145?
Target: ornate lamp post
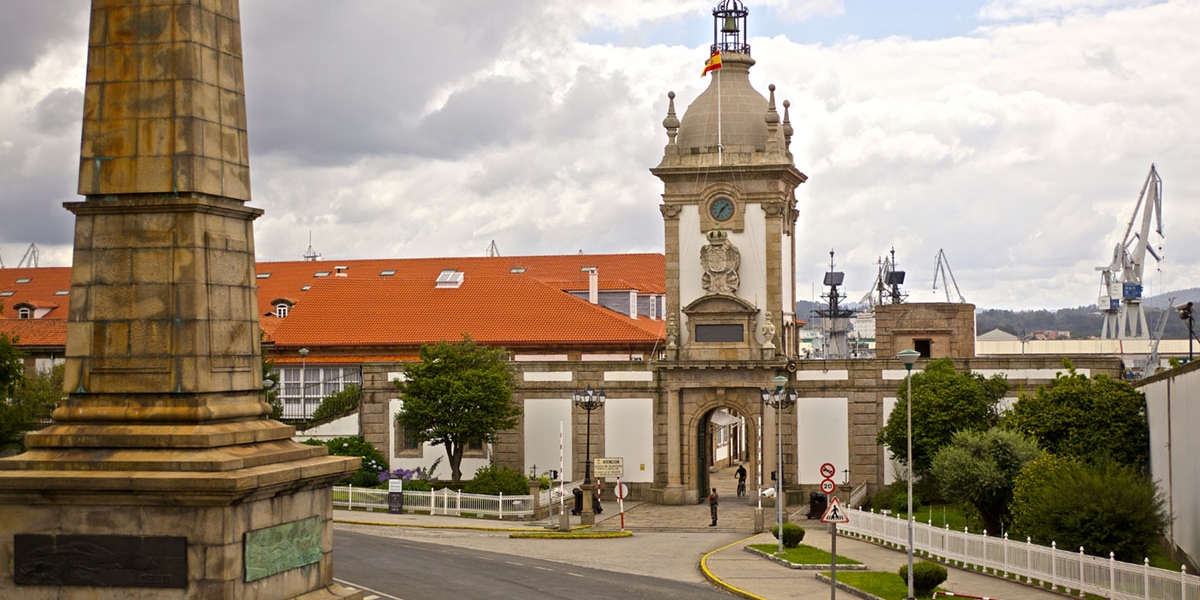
column 589, row 400
column 303, row 384
column 780, row 400
column 908, row 357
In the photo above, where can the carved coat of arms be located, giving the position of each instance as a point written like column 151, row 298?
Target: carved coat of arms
column 720, row 260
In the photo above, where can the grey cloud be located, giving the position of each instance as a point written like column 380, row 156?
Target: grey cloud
column 39, row 25
column 59, row 112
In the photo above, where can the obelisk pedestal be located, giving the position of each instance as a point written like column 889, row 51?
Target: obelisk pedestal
column 162, row 475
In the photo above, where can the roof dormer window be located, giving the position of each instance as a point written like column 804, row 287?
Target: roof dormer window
column 24, row 313
column 282, row 306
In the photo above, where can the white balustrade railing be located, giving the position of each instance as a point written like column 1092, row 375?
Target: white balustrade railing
column 441, row 502
column 1061, row 569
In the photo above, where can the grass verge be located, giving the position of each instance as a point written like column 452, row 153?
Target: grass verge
column 888, row 586
column 804, row 555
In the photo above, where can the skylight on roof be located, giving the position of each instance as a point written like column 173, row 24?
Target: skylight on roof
column 517, row 270
column 62, row 292
column 321, row 274
column 305, row 288
column 7, row 293
column 24, row 280
column 387, row 272
column 263, row 275
column 450, row 278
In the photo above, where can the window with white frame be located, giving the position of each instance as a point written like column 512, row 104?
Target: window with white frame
column 24, row 313
column 304, row 387
column 281, row 310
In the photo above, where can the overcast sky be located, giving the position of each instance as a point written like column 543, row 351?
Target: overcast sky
column 1013, row 134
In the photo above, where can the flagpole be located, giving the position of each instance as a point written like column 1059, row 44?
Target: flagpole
column 720, row 145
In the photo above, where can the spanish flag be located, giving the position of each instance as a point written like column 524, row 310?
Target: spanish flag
column 713, row 63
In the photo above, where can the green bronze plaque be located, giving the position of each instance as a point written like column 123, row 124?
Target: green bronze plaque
column 276, row 549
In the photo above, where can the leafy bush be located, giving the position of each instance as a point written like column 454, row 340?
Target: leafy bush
column 493, row 480
column 338, row 403
column 1103, row 507
column 793, row 534
column 926, row 576
column 417, row 485
column 373, row 462
column 900, row 502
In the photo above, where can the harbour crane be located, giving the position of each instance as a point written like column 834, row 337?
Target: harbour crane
column 1121, row 280
column 941, row 268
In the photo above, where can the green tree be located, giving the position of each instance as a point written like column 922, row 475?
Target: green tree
column 15, row 416
column 271, row 382
column 458, row 394
column 338, row 403
column 1103, row 507
column 1093, row 419
column 944, row 402
column 12, row 368
column 980, row 468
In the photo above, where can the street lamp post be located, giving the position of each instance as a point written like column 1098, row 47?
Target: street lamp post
column 589, row 400
column 908, row 357
column 303, row 384
column 780, row 400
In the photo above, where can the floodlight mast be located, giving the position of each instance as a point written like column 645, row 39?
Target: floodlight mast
column 1121, row 280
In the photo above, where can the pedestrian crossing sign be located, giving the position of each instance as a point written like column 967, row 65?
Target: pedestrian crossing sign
column 835, row 513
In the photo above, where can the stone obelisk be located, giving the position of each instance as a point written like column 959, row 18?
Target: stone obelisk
column 162, row 475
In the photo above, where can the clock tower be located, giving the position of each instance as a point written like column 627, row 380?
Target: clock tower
column 729, row 211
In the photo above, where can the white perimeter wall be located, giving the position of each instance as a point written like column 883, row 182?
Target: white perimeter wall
column 429, row 452
column 823, row 436
column 1173, row 409
column 543, row 418
column 629, row 434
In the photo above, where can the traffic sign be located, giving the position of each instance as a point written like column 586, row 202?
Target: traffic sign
column 835, row 514
column 827, row 486
column 827, row 470
column 622, row 491
column 608, row 468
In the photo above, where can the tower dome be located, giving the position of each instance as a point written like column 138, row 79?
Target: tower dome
column 730, row 113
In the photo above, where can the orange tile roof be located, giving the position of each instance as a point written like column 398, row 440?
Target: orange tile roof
column 509, row 310
column 36, row 332
column 38, row 291
column 527, row 320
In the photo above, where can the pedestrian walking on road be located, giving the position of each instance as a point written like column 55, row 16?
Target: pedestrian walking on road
column 712, row 506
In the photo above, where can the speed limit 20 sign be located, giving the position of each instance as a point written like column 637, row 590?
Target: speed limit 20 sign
column 827, row 484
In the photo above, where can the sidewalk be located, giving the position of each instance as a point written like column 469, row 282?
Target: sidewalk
column 676, row 542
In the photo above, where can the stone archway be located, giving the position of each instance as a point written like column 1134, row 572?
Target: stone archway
column 719, row 419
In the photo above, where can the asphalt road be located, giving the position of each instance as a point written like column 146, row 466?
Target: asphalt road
column 407, row 569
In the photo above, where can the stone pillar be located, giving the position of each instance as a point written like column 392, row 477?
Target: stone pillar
column 674, row 491
column 587, row 516
column 162, row 458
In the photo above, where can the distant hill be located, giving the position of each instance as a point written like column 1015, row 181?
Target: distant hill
column 1083, row 322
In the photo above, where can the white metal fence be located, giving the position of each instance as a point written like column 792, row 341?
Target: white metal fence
column 445, row 502
column 1058, row 568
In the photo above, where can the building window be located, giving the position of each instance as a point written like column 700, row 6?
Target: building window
column 404, row 445
column 475, row 450
column 925, row 347
column 281, row 310
column 24, row 313
column 304, row 387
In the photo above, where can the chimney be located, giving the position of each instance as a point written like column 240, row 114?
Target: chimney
column 593, row 284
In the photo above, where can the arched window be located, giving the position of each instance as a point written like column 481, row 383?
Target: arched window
column 24, row 313
column 281, row 310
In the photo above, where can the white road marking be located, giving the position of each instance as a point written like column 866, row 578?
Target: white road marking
column 376, row 593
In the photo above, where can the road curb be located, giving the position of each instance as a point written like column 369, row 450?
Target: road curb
column 417, row 526
column 720, row 582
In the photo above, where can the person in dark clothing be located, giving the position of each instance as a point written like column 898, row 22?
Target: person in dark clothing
column 712, row 506
column 741, row 477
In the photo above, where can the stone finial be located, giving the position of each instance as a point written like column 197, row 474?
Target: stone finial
column 787, row 125
column 671, row 123
column 772, row 116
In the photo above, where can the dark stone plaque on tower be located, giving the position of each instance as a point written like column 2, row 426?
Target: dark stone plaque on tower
column 100, row 560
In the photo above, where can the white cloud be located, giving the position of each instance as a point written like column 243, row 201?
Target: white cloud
column 389, row 131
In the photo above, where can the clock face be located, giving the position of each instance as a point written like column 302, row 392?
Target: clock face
column 721, row 209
